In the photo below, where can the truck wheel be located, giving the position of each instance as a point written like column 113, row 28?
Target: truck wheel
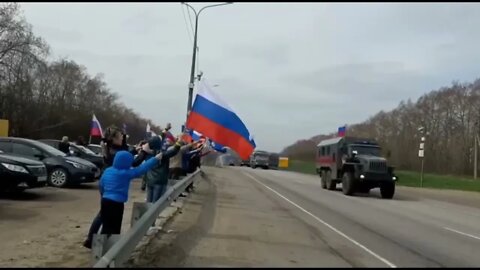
column 348, row 184
column 331, row 185
column 387, row 190
column 322, row 180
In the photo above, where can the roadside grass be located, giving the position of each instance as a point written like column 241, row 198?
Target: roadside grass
column 407, row 178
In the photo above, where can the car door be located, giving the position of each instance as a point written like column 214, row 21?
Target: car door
column 27, row 151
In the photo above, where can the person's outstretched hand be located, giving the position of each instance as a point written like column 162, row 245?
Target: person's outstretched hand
column 146, row 148
column 159, row 156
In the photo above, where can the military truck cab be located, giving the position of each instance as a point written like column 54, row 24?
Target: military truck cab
column 357, row 164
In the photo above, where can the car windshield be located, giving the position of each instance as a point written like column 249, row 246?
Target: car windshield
column 366, row 150
column 49, row 149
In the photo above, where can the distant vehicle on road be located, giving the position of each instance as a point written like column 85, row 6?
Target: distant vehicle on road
column 226, row 160
column 80, row 152
column 18, row 174
column 273, row 161
column 357, row 164
column 62, row 170
column 245, row 162
column 96, row 148
column 260, row 159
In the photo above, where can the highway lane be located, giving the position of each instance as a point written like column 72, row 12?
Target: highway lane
column 404, row 232
column 245, row 218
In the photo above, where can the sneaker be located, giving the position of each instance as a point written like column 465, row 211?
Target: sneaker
column 87, row 244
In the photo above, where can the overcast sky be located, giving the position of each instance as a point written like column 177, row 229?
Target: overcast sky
column 291, row 71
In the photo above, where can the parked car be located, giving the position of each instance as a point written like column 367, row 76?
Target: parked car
column 18, row 174
column 62, row 170
column 96, row 148
column 79, row 151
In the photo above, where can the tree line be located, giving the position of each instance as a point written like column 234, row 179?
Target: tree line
column 51, row 99
column 449, row 117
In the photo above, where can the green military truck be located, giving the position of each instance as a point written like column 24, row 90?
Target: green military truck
column 357, row 164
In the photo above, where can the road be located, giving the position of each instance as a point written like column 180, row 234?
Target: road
column 45, row 227
column 243, row 217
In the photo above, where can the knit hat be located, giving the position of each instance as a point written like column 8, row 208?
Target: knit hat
column 155, row 143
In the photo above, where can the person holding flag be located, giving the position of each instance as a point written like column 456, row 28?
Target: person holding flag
column 96, row 129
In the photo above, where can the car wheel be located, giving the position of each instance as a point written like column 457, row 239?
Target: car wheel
column 331, row 185
column 58, row 178
column 322, row 180
column 387, row 190
column 348, row 184
column 254, row 167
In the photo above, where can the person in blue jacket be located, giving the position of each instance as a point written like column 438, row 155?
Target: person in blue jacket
column 115, row 184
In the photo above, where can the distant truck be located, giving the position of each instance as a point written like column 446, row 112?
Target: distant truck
column 357, row 164
column 264, row 159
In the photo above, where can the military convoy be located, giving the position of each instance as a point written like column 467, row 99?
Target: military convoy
column 357, row 164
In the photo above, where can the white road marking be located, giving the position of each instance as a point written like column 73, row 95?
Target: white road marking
column 462, row 233
column 391, row 265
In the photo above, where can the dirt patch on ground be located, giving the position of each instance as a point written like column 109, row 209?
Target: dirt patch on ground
column 45, row 227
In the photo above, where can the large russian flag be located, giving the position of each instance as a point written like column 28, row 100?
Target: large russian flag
column 214, row 118
column 96, row 129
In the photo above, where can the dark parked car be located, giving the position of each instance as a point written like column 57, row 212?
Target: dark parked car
column 62, row 169
column 79, row 151
column 18, row 174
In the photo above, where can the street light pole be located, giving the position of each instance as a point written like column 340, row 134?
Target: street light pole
column 421, row 152
column 194, row 56
column 475, row 162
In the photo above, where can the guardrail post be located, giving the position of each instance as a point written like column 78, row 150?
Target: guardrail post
column 139, row 208
column 101, row 244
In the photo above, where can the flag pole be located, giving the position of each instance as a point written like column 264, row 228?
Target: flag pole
column 90, row 139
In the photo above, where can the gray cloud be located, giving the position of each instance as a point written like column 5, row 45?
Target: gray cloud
column 290, row 70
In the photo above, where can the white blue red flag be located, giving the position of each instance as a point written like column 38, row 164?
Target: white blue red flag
column 96, row 129
column 215, row 119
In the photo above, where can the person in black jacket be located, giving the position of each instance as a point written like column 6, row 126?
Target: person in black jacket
column 114, row 141
column 64, row 145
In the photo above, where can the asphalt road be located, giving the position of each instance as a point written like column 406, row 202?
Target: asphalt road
column 245, row 217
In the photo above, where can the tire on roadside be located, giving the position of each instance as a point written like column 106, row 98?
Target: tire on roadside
column 387, row 190
column 348, row 184
column 331, row 185
column 58, row 177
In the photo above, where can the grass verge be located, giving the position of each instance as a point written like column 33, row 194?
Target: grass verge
column 407, row 178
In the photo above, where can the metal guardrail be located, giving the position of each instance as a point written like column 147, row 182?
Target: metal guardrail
column 125, row 244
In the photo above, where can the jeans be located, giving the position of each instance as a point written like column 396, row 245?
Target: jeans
column 154, row 192
column 95, row 227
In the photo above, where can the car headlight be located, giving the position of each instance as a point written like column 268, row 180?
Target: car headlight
column 394, row 178
column 76, row 165
column 362, row 176
column 15, row 168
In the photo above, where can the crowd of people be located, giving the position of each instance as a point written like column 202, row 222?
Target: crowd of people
column 159, row 159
